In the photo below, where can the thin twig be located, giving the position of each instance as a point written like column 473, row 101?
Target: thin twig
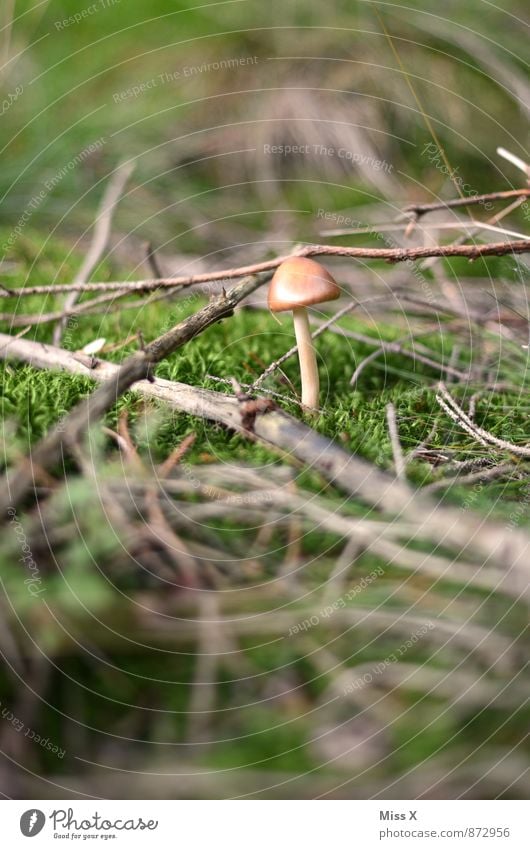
column 472, row 405
column 396, row 348
column 471, row 225
column 152, row 260
column 460, row 467
column 481, row 476
column 391, row 255
column 420, row 209
column 483, row 436
column 322, row 327
column 9, row 339
column 86, row 308
column 250, row 387
column 397, row 451
column 515, row 160
column 423, row 445
column 113, row 299
column 120, row 441
column 100, row 237
column 160, row 531
column 455, row 416
column 176, row 455
column 366, row 362
column 125, row 435
column 499, row 216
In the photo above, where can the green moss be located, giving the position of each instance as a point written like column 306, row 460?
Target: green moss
column 239, row 348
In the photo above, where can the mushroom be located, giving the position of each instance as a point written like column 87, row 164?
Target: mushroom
column 299, row 283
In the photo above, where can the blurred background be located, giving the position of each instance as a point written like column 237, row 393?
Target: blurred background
column 196, row 92
column 253, row 126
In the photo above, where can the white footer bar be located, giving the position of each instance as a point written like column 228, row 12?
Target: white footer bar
column 266, row 824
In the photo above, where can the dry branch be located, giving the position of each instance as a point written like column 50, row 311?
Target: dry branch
column 391, row 255
column 419, row 209
column 470, row 226
column 136, row 367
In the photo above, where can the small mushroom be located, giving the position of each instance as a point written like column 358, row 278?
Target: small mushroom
column 299, row 283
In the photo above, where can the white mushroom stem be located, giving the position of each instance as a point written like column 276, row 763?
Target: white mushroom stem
column 307, row 357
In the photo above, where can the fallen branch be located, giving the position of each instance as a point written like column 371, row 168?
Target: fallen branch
column 391, row 255
column 255, row 418
column 136, row 367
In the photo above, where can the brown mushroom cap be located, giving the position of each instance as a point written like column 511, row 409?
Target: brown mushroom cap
column 301, row 282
